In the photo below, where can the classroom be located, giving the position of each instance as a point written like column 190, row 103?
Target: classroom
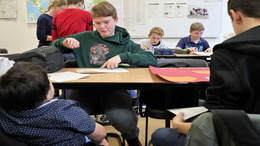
column 24, row 33
column 150, row 76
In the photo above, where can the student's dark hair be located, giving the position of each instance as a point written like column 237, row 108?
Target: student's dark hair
column 250, row 8
column 74, row 2
column 23, row 87
column 103, row 9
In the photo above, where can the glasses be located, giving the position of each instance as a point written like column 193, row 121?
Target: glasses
column 83, row 7
column 62, row 8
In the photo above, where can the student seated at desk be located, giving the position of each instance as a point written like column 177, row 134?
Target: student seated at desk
column 108, row 46
column 234, row 80
column 154, row 41
column 30, row 114
column 194, row 42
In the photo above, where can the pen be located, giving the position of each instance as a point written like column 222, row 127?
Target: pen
column 123, row 64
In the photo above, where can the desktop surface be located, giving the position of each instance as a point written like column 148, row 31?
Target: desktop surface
column 135, row 78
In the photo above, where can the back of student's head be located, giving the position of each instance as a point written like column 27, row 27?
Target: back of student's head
column 250, row 8
column 23, row 87
column 157, row 30
column 74, row 2
column 197, row 26
column 103, row 9
column 57, row 2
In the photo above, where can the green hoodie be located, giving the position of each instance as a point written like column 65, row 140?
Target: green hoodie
column 94, row 50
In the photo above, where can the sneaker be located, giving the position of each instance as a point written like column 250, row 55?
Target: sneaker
column 102, row 119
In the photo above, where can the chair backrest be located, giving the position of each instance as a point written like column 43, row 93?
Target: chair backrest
column 234, row 126
column 182, row 63
column 71, row 64
column 8, row 140
column 3, row 50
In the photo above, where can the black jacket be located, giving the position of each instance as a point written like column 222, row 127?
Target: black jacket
column 235, row 73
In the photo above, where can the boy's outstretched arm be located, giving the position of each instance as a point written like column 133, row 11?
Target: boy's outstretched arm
column 71, row 43
column 99, row 135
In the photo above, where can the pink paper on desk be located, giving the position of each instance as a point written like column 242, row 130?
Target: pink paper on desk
column 182, row 74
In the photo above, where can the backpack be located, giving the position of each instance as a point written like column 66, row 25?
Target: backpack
column 49, row 57
column 235, row 128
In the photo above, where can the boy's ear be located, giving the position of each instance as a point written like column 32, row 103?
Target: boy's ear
column 48, row 96
column 80, row 4
column 55, row 6
column 236, row 16
column 149, row 35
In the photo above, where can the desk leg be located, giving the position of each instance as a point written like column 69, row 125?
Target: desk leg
column 167, row 103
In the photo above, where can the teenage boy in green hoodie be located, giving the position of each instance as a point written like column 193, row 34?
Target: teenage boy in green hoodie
column 107, row 47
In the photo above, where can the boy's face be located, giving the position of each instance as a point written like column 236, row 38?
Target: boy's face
column 154, row 38
column 105, row 25
column 196, row 34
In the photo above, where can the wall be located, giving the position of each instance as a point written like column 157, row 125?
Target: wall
column 226, row 27
column 18, row 36
column 142, row 15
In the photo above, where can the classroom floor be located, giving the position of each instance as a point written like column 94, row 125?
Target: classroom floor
column 153, row 125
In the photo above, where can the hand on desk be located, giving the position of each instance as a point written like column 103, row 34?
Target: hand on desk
column 208, row 50
column 71, row 43
column 112, row 62
column 145, row 48
column 193, row 49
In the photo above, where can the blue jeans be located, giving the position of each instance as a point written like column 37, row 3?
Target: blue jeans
column 116, row 104
column 167, row 137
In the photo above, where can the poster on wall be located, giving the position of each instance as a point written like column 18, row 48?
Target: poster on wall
column 8, row 8
column 198, row 12
column 35, row 8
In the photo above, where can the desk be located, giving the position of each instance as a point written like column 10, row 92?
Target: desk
column 135, row 78
column 184, row 56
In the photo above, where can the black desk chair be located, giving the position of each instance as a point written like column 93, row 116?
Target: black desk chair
column 3, row 51
column 180, row 96
column 7, row 140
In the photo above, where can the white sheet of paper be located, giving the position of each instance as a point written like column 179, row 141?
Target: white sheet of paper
column 203, row 53
column 105, row 70
column 189, row 112
column 66, row 76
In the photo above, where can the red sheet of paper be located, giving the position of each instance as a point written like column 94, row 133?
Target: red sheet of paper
column 182, row 74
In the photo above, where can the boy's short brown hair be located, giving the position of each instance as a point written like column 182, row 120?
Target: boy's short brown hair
column 103, row 9
column 157, row 30
column 56, row 2
column 197, row 26
column 74, row 2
